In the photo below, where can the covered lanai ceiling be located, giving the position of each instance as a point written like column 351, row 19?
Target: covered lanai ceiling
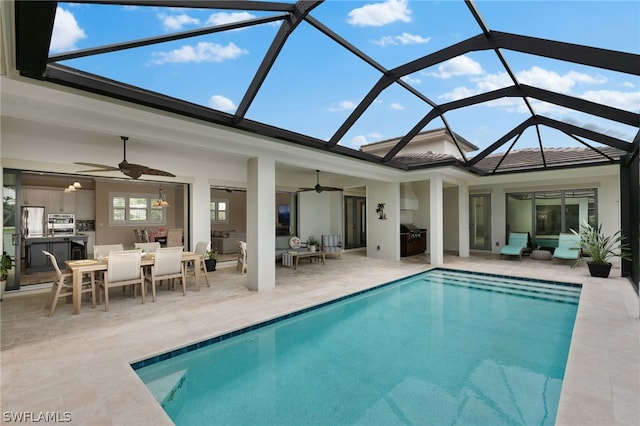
column 544, row 83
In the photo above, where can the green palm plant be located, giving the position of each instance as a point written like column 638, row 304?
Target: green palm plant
column 6, row 263
column 600, row 247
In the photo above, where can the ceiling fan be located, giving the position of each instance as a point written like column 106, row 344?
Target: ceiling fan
column 132, row 170
column 319, row 188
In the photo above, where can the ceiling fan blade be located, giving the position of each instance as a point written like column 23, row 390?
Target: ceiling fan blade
column 157, row 172
column 98, row 167
column 319, row 188
column 136, row 170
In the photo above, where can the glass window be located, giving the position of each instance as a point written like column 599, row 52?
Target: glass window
column 219, row 211
column 547, row 214
column 127, row 209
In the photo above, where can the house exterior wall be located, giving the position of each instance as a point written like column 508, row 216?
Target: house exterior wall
column 605, row 179
column 46, row 128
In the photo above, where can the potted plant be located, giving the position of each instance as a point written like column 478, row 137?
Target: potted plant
column 211, row 259
column 600, row 248
column 6, row 263
column 312, row 243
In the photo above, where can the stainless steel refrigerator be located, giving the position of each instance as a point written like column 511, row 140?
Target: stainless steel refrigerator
column 33, row 222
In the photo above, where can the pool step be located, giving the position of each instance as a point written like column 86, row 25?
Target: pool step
column 542, row 290
column 164, row 389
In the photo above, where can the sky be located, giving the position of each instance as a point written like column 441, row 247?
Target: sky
column 315, row 83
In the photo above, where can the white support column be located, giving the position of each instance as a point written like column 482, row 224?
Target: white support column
column 200, row 214
column 463, row 221
column 436, row 221
column 261, row 223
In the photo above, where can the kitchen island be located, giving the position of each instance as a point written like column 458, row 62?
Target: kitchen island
column 63, row 247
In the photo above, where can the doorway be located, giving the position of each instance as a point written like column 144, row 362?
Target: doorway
column 480, row 221
column 11, row 225
column 355, row 222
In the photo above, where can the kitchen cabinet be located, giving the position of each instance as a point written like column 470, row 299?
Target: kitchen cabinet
column 61, row 202
column 54, row 200
column 85, row 204
column 63, row 248
column 34, row 197
column 414, row 243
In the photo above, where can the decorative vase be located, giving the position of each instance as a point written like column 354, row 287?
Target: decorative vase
column 3, row 283
column 600, row 270
column 312, row 249
column 210, row 264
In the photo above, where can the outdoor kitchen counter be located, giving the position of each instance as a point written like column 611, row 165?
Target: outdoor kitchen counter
column 63, row 247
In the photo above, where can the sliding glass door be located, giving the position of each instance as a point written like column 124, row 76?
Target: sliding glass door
column 480, row 222
column 355, row 222
column 547, row 214
column 11, row 225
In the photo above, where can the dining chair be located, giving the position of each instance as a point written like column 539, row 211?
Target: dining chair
column 137, row 234
column 101, row 251
column 147, row 247
column 174, row 237
column 63, row 286
column 123, row 269
column 202, row 248
column 167, row 265
column 242, row 257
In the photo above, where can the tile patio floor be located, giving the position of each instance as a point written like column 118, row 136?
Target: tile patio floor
column 80, row 363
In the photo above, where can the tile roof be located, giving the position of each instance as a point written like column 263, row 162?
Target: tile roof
column 522, row 160
column 534, row 158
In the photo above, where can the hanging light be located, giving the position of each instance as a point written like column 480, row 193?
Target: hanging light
column 162, row 200
column 70, row 188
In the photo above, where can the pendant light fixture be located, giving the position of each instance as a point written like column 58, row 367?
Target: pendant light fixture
column 70, row 188
column 162, row 200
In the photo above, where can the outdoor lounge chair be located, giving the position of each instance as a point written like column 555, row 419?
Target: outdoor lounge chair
column 568, row 247
column 518, row 244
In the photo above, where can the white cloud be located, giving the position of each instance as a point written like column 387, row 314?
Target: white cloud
column 358, row 141
column 458, row 93
column 221, row 103
column 396, row 106
column 460, row 65
column 176, row 22
column 628, row 84
column 378, row 14
column 489, row 82
column 66, row 31
column 411, row 80
column 227, row 18
column 202, row 52
column 550, row 80
column 629, row 101
column 404, row 39
column 535, row 76
column 342, row 106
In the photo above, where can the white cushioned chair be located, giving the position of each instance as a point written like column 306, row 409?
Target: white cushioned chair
column 148, row 247
column 167, row 266
column 331, row 245
column 123, row 269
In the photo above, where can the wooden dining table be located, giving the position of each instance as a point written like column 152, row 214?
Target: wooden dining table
column 91, row 266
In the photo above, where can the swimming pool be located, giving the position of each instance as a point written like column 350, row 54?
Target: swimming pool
column 441, row 347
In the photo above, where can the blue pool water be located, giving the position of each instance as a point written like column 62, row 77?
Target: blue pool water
column 442, row 347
